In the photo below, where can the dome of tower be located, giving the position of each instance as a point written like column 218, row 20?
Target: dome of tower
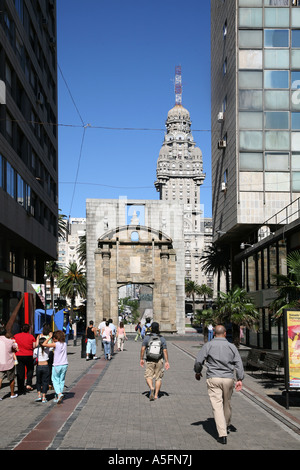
column 178, row 112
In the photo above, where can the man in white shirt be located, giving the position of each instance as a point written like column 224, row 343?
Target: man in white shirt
column 113, row 331
column 100, row 328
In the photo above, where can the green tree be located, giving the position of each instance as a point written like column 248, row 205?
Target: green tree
column 216, row 260
column 288, row 287
column 72, row 283
column 236, row 307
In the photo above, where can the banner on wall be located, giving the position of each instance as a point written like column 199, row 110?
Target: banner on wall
column 292, row 348
column 40, row 291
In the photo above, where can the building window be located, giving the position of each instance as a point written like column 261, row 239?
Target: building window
column 277, row 140
column 20, row 9
column 277, row 181
column 250, row 17
column 276, row 100
column 250, row 79
column 251, row 120
column 276, row 37
column 295, row 121
column 1, row 171
column 12, row 262
column 251, row 140
column 277, row 120
column 277, row 59
column 277, row 161
column 9, row 128
column 251, row 161
column 296, row 141
column 296, row 38
column 10, row 180
column 225, row 66
column 250, row 38
column 276, row 78
column 277, row 17
column 225, row 30
column 250, row 100
column 20, row 190
column 296, row 181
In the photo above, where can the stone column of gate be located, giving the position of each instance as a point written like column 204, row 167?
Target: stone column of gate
column 106, row 282
column 164, row 256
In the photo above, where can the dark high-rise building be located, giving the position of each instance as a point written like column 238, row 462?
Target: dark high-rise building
column 28, row 146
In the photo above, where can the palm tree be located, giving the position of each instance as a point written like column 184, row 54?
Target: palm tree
column 236, row 307
column 73, row 283
column 216, row 260
column 204, row 291
column 191, row 289
column 81, row 250
column 62, row 225
column 288, row 287
column 53, row 271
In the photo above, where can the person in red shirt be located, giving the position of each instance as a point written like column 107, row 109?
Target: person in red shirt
column 26, row 343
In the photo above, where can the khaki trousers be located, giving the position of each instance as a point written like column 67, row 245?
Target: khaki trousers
column 220, row 392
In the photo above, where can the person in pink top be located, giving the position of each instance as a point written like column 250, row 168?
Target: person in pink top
column 106, row 334
column 57, row 341
column 121, row 336
column 8, row 347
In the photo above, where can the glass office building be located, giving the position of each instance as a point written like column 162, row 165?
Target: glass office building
column 255, row 123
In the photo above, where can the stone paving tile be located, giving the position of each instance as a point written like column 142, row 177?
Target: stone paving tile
column 115, row 413
column 119, row 415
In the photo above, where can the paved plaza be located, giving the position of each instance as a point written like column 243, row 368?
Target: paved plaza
column 106, row 406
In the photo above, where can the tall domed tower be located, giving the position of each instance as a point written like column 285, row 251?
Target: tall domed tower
column 179, row 177
column 179, row 165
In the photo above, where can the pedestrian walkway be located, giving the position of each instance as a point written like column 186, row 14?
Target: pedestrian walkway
column 106, row 406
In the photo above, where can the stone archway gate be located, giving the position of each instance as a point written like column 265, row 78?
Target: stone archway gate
column 136, row 255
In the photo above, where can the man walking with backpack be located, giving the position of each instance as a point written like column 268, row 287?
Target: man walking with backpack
column 155, row 347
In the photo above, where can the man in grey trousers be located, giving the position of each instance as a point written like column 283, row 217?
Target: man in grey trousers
column 222, row 359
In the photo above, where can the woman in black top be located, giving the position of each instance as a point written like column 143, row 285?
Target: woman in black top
column 91, row 332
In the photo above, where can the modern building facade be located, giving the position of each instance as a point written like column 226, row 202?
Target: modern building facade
column 255, row 47
column 28, row 146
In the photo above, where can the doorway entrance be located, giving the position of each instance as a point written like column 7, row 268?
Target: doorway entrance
column 135, row 302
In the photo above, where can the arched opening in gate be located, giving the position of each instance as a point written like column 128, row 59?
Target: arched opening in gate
column 135, row 302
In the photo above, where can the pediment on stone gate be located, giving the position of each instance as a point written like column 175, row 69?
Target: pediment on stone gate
column 134, row 233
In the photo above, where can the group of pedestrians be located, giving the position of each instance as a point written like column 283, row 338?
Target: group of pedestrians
column 19, row 354
column 109, row 334
column 22, row 352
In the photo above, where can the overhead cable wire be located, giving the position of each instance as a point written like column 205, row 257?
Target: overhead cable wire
column 71, row 96
column 77, row 172
column 82, row 140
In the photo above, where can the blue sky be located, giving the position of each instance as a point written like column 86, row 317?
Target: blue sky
column 116, row 70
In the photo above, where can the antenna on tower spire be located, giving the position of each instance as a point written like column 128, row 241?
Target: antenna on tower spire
column 178, row 85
